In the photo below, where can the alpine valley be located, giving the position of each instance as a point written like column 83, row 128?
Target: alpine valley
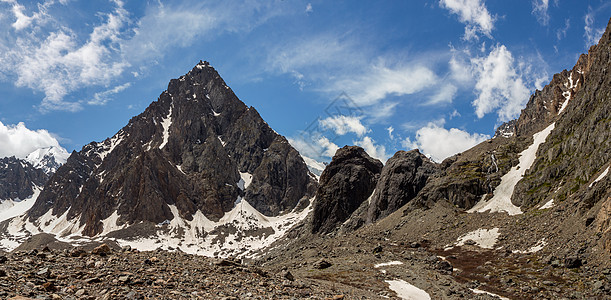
column 197, row 197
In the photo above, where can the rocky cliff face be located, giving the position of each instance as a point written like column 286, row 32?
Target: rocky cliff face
column 577, row 150
column 18, row 178
column 403, row 176
column 191, row 155
column 345, row 183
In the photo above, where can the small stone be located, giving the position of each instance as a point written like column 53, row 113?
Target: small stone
column 470, row 242
column 49, row 286
column 414, row 245
column 90, row 263
column 101, row 250
column 322, row 264
column 336, row 297
column 377, row 249
column 93, row 280
column 445, row 266
column 80, row 293
column 572, row 262
column 27, row 261
column 78, row 252
column 124, row 278
column 44, row 272
column 288, row 275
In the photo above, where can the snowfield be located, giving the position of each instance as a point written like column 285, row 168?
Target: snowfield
column 501, row 201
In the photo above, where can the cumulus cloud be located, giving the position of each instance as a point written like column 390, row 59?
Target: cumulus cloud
column 319, row 147
column 440, row 143
column 472, row 13
column 19, row 141
column 375, row 151
column 344, row 124
column 58, row 64
column 41, row 53
column 540, row 11
column 498, row 85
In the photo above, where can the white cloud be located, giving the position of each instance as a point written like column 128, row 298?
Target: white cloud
column 472, row 13
column 42, row 53
column 382, row 81
column 561, row 33
column 102, row 97
column 498, row 85
column 304, row 54
column 309, row 8
column 390, row 130
column 375, row 151
column 540, row 11
column 344, row 124
column 440, row 143
column 318, row 147
column 57, row 64
column 444, row 95
column 19, row 141
column 591, row 34
column 460, row 70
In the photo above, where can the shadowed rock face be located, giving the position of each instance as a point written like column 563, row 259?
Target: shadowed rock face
column 18, row 177
column 403, row 176
column 345, row 183
column 186, row 149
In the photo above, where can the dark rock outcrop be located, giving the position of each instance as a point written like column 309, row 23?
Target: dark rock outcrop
column 345, row 183
column 18, row 178
column 403, row 176
column 196, row 148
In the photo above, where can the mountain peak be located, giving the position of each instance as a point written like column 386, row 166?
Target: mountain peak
column 49, row 159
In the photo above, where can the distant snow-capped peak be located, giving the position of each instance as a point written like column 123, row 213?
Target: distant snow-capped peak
column 49, row 159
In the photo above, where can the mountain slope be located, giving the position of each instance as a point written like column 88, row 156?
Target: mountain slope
column 194, row 154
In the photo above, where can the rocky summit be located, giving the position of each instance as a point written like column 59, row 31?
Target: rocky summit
column 195, row 161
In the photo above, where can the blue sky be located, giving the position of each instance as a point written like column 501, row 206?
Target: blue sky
column 386, row 75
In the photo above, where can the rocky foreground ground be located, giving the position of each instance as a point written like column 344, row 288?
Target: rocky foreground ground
column 130, row 274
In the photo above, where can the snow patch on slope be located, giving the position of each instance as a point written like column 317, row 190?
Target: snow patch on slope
column 477, row 291
column 109, row 146
column 166, row 123
column 600, row 177
column 501, row 201
column 245, row 180
column 407, row 291
column 314, row 166
column 484, row 238
column 548, row 204
column 17, row 207
column 568, row 93
column 390, row 263
column 536, row 248
column 240, row 231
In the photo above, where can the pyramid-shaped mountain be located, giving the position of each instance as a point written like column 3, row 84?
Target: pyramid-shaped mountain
column 194, row 155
